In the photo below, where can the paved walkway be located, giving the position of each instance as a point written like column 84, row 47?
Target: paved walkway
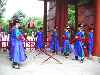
column 33, row 66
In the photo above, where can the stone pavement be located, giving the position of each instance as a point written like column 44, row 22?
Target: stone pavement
column 33, row 66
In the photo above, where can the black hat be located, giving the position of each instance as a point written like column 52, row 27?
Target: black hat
column 81, row 25
column 17, row 21
column 68, row 27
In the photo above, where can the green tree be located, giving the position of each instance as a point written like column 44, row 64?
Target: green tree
column 71, row 15
column 38, row 22
column 2, row 6
column 4, row 24
column 25, row 20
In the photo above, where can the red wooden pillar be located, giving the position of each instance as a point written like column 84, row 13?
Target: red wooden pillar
column 61, row 17
column 76, row 15
column 45, row 21
column 97, row 29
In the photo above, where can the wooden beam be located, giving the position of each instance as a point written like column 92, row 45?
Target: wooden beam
column 61, row 17
column 45, row 21
column 76, row 16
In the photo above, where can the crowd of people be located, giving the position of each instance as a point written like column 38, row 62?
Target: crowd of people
column 79, row 42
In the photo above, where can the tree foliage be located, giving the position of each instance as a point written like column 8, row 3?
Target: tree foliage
column 4, row 23
column 2, row 6
column 24, row 20
column 71, row 15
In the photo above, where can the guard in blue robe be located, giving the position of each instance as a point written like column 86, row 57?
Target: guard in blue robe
column 66, row 42
column 9, row 46
column 17, row 47
column 54, row 42
column 79, row 45
column 91, row 42
column 40, row 43
column 9, row 43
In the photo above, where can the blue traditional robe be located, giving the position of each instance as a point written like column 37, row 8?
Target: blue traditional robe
column 79, row 45
column 40, row 43
column 17, row 46
column 9, row 45
column 91, row 43
column 54, row 43
column 66, row 43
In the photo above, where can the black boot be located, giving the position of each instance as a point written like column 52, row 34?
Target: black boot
column 66, row 54
column 76, row 57
column 10, row 59
column 82, row 60
column 53, row 51
column 16, row 65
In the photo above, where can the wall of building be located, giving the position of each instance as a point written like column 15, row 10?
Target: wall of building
column 57, row 15
column 51, row 15
column 86, row 14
